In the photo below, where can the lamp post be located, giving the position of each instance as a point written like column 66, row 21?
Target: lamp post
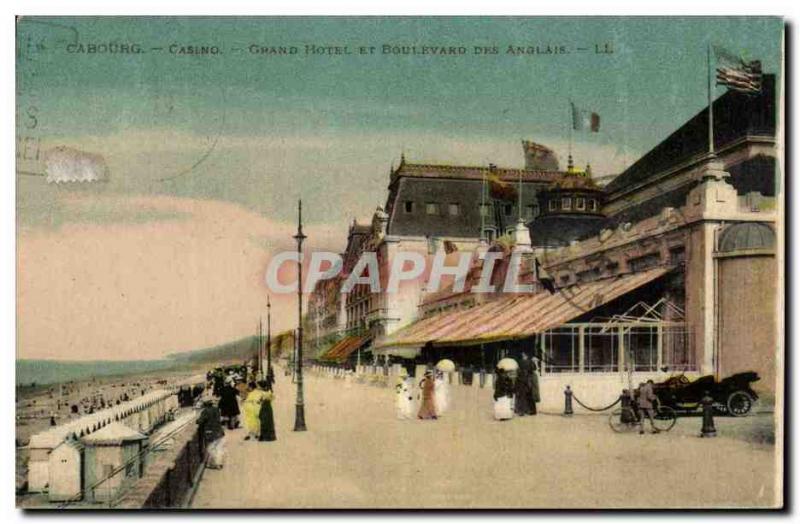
column 300, row 418
column 270, row 375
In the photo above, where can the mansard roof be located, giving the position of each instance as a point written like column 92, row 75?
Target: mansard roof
column 737, row 116
column 473, row 172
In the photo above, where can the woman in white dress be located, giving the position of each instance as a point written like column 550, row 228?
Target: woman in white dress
column 403, row 397
column 503, row 396
column 441, row 393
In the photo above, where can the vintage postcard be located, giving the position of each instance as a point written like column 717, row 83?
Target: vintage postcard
column 399, row 262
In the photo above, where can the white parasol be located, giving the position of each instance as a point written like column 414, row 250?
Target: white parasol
column 508, row 364
column 446, row 365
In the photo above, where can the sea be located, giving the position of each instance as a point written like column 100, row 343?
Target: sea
column 43, row 372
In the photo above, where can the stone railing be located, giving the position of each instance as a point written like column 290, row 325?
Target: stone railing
column 141, row 414
column 171, row 478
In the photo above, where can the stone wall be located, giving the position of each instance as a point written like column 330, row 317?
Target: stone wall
column 171, row 477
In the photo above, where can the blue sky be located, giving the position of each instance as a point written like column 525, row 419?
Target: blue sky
column 654, row 81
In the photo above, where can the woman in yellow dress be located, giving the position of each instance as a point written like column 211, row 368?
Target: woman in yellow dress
column 252, row 408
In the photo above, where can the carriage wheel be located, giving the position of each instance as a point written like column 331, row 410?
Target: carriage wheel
column 623, row 420
column 664, row 418
column 739, row 403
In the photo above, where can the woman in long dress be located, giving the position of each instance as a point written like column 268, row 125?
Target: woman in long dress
column 441, row 393
column 265, row 416
column 229, row 405
column 428, row 409
column 252, row 408
column 211, row 427
column 503, row 396
column 403, row 397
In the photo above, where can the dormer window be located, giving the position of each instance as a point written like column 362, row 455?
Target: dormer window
column 552, row 205
column 566, row 204
column 592, row 204
column 580, row 203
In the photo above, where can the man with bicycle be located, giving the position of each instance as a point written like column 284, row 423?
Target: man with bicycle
column 645, row 402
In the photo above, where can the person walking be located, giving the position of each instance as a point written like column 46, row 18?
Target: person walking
column 266, row 415
column 441, row 393
column 252, row 409
column 403, row 396
column 645, row 402
column 503, row 396
column 534, row 381
column 427, row 409
column 229, row 405
column 523, row 401
column 210, row 425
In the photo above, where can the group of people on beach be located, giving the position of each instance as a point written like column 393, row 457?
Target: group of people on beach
column 235, row 386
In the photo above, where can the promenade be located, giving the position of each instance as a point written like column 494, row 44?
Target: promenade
column 356, row 454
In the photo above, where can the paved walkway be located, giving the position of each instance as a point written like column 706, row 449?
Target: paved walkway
column 356, row 454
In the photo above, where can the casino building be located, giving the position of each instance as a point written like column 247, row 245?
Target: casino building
column 647, row 275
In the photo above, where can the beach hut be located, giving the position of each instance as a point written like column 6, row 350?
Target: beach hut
column 112, row 458
column 66, row 470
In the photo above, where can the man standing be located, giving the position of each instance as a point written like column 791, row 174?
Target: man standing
column 523, row 401
column 535, row 396
column 646, row 398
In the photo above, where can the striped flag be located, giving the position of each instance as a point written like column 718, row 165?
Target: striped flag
column 584, row 120
column 735, row 73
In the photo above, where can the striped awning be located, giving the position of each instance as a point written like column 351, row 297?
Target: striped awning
column 517, row 316
column 343, row 349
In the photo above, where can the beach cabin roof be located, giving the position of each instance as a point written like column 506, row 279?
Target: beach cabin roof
column 112, row 435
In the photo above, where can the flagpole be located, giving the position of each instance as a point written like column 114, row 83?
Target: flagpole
column 483, row 206
column 571, row 122
column 710, row 105
column 519, row 197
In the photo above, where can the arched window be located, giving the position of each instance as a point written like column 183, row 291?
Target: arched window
column 747, row 236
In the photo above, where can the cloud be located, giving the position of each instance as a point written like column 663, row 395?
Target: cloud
column 138, row 268
column 140, row 290
column 340, row 175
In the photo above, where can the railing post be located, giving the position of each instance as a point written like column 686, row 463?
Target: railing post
column 568, row 402
column 708, row 429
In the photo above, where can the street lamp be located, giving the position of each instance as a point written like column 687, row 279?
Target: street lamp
column 270, row 374
column 299, row 419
